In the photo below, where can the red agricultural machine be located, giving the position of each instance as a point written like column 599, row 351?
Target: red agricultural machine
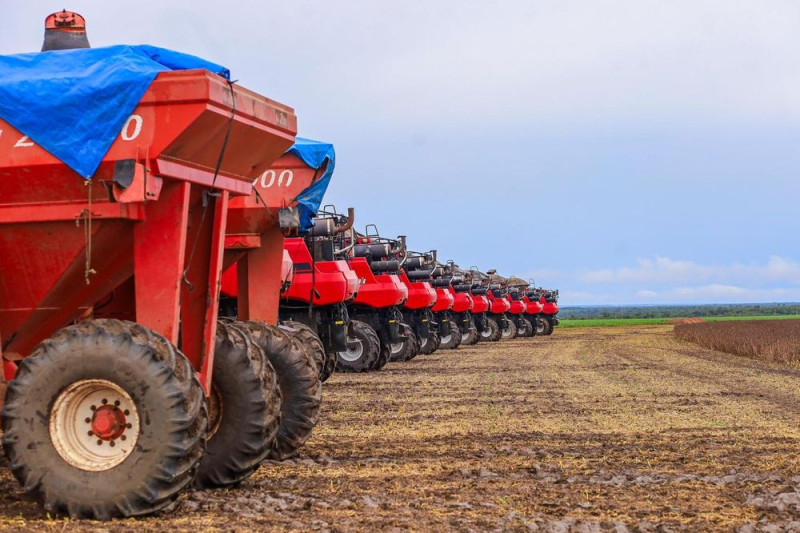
column 518, row 310
column 463, row 310
column 459, row 315
column 322, row 286
column 375, row 313
column 445, row 333
column 259, row 267
column 497, row 324
column 124, row 388
column 533, row 307
column 548, row 319
column 416, row 272
column 480, row 306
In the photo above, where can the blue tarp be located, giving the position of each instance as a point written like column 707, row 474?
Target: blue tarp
column 314, row 154
column 73, row 103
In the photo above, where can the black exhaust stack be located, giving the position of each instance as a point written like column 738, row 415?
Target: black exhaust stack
column 64, row 30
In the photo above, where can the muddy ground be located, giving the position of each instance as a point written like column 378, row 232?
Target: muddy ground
column 590, row 429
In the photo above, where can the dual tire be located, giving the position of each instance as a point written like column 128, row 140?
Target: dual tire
column 407, row 349
column 108, row 419
column 544, row 326
column 325, row 362
column 430, row 344
column 363, row 349
column 510, row 330
column 470, row 338
column 298, row 383
column 244, row 408
column 492, row 332
column 453, row 340
column 525, row 329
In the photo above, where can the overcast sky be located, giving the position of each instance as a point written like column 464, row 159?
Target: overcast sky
column 629, row 151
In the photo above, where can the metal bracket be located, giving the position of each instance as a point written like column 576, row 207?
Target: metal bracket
column 289, row 218
column 132, row 182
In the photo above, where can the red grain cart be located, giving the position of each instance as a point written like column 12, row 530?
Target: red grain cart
column 109, row 300
column 255, row 274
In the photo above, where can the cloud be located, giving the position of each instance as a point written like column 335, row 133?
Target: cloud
column 667, row 272
column 664, row 280
column 719, row 293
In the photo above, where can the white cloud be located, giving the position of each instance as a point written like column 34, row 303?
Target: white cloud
column 719, row 293
column 665, row 280
column 667, row 272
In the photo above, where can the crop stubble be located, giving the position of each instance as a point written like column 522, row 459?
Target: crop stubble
column 772, row 340
column 596, row 426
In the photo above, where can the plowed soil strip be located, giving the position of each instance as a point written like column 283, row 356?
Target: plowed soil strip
column 597, row 426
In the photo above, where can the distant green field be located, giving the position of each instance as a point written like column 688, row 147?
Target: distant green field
column 611, row 322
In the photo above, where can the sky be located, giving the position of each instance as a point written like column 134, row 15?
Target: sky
column 624, row 152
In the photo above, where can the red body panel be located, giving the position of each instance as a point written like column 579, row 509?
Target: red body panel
column 532, row 307
column 549, row 308
column 143, row 237
column 480, row 303
column 517, row 307
column 277, row 187
column 444, row 300
column 497, row 305
column 332, row 282
column 383, row 290
column 420, row 293
column 462, row 301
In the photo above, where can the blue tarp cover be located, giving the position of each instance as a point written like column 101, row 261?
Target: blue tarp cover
column 314, row 154
column 73, row 103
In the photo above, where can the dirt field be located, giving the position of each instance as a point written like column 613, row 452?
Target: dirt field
column 596, row 428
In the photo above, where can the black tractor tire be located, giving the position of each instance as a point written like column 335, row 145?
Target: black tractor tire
column 510, row 332
column 543, row 326
column 492, row 332
column 105, row 356
column 299, row 384
column 408, row 349
column 397, row 350
column 525, row 329
column 431, row 344
column 364, row 348
column 468, row 339
column 384, row 357
column 452, row 341
column 244, row 409
column 326, row 363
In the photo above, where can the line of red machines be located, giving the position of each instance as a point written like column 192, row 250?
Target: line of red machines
column 371, row 300
column 128, row 374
